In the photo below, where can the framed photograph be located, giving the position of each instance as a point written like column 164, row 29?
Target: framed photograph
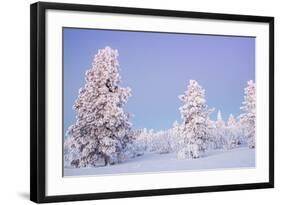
column 129, row 102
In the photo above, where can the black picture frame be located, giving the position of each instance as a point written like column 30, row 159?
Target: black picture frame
column 38, row 101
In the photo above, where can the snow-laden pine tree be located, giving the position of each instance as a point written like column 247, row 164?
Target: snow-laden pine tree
column 240, row 131
column 194, row 114
column 176, row 133
column 232, row 132
column 220, row 135
column 165, row 139
column 248, row 116
column 231, row 122
column 102, row 128
column 212, row 133
column 220, row 121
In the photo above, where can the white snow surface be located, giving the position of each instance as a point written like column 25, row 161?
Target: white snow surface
column 242, row 157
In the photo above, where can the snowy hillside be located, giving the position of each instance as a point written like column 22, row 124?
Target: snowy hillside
column 155, row 162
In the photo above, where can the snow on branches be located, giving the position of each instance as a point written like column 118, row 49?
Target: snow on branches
column 194, row 114
column 232, row 133
column 102, row 129
column 220, row 134
column 248, row 116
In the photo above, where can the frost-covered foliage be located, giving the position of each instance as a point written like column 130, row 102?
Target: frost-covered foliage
column 139, row 143
column 212, row 134
column 220, row 121
column 101, row 132
column 150, row 141
column 176, row 133
column 248, row 116
column 69, row 152
column 232, row 136
column 163, row 141
column 242, row 139
column 221, row 132
column 195, row 115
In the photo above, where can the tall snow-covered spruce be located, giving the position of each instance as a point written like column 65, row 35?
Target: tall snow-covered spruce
column 102, row 128
column 248, row 116
column 195, row 115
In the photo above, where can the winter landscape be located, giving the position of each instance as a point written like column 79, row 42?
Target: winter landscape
column 102, row 138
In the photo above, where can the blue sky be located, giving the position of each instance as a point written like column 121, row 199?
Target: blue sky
column 158, row 67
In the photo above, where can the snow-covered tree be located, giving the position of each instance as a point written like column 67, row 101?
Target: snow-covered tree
column 212, row 133
column 102, row 128
column 241, row 132
column 161, row 142
column 220, row 135
column 151, row 141
column 220, row 121
column 231, row 122
column 176, row 133
column 194, row 114
column 139, row 144
column 176, row 127
column 248, row 116
column 70, row 154
column 232, row 135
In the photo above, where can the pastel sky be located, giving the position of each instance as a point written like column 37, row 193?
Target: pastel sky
column 158, row 67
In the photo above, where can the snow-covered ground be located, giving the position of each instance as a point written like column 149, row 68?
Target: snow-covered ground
column 155, row 162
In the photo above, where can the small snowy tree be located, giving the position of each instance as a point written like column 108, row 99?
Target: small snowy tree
column 248, row 116
column 165, row 141
column 102, row 129
column 231, row 122
column 220, row 121
column 241, row 132
column 220, row 141
column 212, row 133
column 176, row 133
column 232, row 133
column 139, row 144
column 194, row 114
